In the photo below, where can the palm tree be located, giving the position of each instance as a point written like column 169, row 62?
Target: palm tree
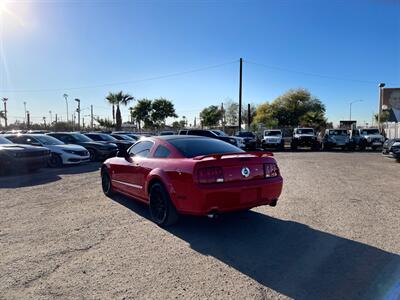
column 117, row 99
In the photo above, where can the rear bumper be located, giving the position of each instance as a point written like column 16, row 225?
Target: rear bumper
column 226, row 197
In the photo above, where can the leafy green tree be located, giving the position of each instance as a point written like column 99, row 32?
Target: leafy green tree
column 314, row 119
column 290, row 109
column 162, row 109
column 117, row 99
column 211, row 116
column 231, row 112
column 141, row 112
column 264, row 116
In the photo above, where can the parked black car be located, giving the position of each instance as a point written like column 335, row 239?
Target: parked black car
column 97, row 150
column 135, row 136
column 391, row 148
column 123, row 137
column 123, row 145
column 249, row 139
column 210, row 134
column 14, row 157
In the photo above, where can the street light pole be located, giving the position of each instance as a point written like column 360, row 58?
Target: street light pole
column 5, row 111
column 66, row 102
column 25, row 112
column 381, row 86
column 78, row 110
column 351, row 103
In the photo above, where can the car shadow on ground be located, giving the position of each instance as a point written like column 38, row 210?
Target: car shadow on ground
column 289, row 257
column 16, row 178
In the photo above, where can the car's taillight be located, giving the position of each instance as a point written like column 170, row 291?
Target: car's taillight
column 271, row 170
column 210, row 175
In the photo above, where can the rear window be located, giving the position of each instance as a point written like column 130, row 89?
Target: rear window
column 161, row 152
column 192, row 147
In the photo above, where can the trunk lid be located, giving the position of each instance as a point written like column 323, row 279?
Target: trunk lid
column 235, row 167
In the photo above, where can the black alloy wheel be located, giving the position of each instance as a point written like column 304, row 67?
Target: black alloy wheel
column 106, row 183
column 162, row 211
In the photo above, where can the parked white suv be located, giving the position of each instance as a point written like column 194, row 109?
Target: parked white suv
column 61, row 154
column 273, row 138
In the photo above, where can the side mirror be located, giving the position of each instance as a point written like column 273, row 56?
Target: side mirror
column 123, row 153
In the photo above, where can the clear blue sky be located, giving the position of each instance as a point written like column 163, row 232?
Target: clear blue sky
column 57, row 45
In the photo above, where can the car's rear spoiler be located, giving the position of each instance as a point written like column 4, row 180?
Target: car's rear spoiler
column 219, row 156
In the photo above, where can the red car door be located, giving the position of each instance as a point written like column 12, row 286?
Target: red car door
column 132, row 172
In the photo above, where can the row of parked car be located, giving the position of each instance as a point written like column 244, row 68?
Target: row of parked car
column 34, row 150
column 30, row 151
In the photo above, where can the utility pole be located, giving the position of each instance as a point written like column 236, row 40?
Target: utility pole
column 240, row 94
column 91, row 117
column 44, row 122
column 56, row 119
column 24, row 111
column 83, row 123
column 66, row 102
column 28, row 119
column 51, row 117
column 78, row 110
column 248, row 117
column 5, row 111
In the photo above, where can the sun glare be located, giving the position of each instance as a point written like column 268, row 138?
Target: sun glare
column 5, row 10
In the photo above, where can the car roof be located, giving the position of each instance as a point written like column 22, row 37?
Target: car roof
column 176, row 137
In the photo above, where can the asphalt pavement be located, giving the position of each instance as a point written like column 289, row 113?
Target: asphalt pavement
column 333, row 235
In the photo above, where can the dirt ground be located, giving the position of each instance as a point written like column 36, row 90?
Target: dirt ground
column 335, row 234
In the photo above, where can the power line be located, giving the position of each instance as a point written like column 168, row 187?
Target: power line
column 121, row 82
column 315, row 74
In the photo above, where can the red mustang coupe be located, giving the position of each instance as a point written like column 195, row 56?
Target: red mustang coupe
column 192, row 175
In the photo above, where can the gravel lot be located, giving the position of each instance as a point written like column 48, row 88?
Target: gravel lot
column 333, row 235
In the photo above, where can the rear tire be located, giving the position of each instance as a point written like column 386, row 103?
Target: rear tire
column 55, row 161
column 106, row 183
column 162, row 210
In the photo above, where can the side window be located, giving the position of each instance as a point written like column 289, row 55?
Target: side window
column 13, row 139
column 64, row 138
column 141, row 149
column 94, row 137
column 31, row 141
column 162, row 152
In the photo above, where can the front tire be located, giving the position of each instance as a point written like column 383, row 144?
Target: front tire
column 55, row 161
column 92, row 155
column 106, row 184
column 162, row 210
